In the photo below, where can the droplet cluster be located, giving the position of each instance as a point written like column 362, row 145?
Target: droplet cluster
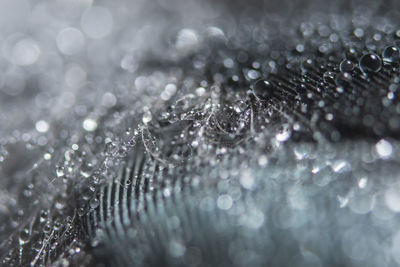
column 199, row 140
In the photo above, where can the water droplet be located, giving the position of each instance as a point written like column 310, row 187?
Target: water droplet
column 59, row 205
column 300, row 48
column 370, row 63
column 111, row 148
column 24, row 236
column 81, row 211
column 283, row 136
column 247, row 179
column 346, row 66
column 253, row 74
column 384, row 148
column 89, row 125
column 362, row 183
column 43, row 216
column 94, row 203
column 122, row 151
column 224, row 202
column 263, row 89
column 146, row 117
column 228, row 63
column 200, row 91
column 391, row 54
column 359, row 33
column 47, row 227
column 60, row 171
column 329, row 77
column 131, row 143
column 166, row 192
column 42, row 126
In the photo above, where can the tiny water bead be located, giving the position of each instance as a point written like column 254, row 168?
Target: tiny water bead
column 24, row 236
column 94, row 203
column 370, row 63
column 89, row 125
column 42, row 126
column 147, row 117
column 384, row 148
column 391, row 54
column 346, row 66
column 60, row 171
column 263, row 89
column 329, row 77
